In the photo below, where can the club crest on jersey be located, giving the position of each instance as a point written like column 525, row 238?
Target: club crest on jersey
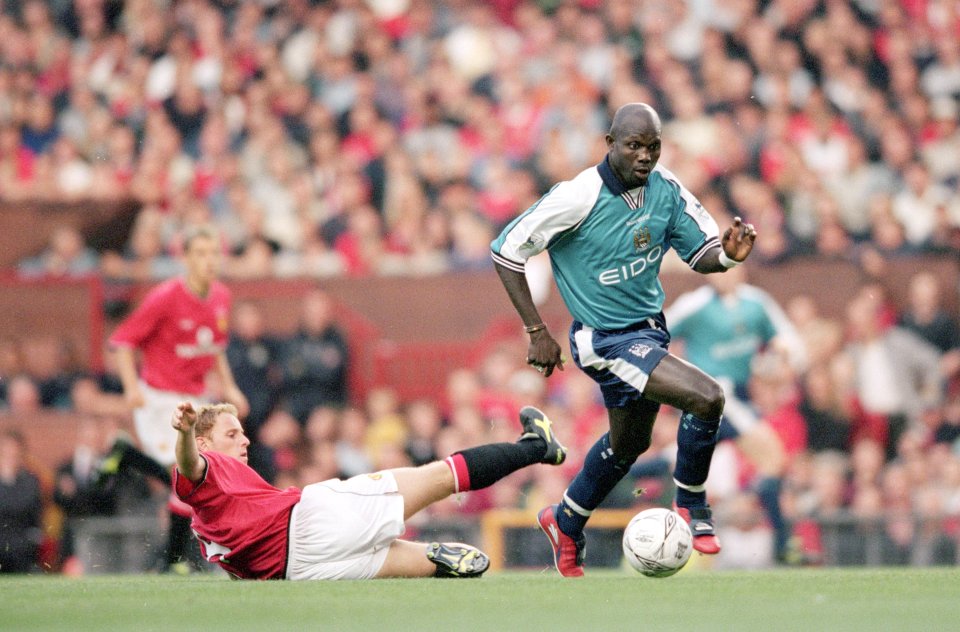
column 641, row 238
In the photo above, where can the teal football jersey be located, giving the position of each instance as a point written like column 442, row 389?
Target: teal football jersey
column 722, row 335
column 606, row 243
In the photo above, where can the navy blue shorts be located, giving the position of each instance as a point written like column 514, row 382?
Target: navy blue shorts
column 621, row 360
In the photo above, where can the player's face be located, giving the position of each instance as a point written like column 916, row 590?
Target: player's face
column 202, row 260
column 226, row 437
column 634, row 153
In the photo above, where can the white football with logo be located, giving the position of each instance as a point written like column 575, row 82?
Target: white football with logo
column 657, row 542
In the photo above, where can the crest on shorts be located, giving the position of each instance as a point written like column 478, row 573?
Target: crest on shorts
column 641, row 237
column 376, row 476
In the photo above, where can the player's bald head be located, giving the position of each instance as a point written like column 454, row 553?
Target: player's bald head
column 633, row 143
column 635, row 118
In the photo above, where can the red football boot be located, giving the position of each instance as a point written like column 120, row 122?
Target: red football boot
column 568, row 553
column 700, row 520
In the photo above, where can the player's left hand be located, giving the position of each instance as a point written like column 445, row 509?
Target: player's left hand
column 738, row 240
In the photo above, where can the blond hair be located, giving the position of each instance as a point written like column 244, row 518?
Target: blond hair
column 207, row 417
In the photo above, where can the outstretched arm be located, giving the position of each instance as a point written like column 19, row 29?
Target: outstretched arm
column 189, row 461
column 126, row 362
column 543, row 353
column 735, row 246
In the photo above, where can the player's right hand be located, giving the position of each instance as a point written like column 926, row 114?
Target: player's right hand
column 184, row 417
column 544, row 354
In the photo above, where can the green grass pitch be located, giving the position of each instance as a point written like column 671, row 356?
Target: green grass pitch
column 805, row 599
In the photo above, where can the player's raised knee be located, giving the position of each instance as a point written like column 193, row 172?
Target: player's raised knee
column 709, row 400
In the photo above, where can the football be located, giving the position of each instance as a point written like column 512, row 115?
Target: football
column 657, row 542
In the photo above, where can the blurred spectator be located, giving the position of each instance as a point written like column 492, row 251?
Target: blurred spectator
column 40, row 131
column 20, row 508
column 144, row 259
column 253, row 353
column 46, row 359
column 355, row 452
column 896, row 374
column 925, row 316
column 826, row 417
column 66, row 256
column 916, row 205
column 23, row 395
column 948, row 429
column 78, row 490
column 314, row 361
column 281, row 434
column 424, row 422
column 387, row 428
column 856, row 186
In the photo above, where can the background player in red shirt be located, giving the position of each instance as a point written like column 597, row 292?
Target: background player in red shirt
column 180, row 329
column 335, row 529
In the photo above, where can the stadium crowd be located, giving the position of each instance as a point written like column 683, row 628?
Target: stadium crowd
column 360, row 138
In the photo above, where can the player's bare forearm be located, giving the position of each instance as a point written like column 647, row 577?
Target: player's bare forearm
column 543, row 352
column 126, row 368
column 519, row 292
column 189, row 462
column 231, row 392
column 127, row 371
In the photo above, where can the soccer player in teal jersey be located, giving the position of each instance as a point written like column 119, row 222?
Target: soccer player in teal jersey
column 606, row 231
column 726, row 323
column 723, row 326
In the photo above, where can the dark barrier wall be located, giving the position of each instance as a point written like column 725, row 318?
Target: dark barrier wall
column 403, row 332
column 25, row 227
column 449, row 309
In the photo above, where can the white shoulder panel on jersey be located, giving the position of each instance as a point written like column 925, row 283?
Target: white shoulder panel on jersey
column 788, row 338
column 778, row 317
column 562, row 209
column 688, row 303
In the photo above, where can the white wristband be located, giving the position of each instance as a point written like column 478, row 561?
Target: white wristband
column 726, row 261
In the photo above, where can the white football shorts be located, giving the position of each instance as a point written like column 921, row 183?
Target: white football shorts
column 157, row 437
column 344, row 529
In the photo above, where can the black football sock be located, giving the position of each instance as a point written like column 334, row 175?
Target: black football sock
column 696, row 439
column 486, row 464
column 601, row 472
column 178, row 538
column 135, row 459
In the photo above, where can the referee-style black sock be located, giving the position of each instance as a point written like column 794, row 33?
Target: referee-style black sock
column 487, row 464
column 137, row 460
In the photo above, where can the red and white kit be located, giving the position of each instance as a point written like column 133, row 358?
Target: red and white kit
column 179, row 335
column 331, row 530
column 239, row 518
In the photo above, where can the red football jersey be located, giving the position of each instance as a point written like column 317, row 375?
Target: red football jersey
column 239, row 518
column 178, row 333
